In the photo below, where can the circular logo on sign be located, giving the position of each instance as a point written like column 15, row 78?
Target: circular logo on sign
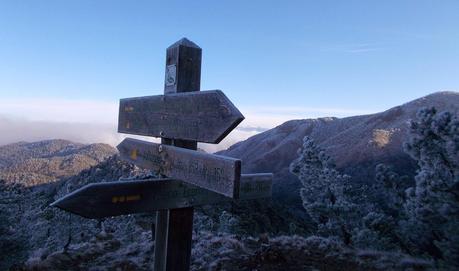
column 171, row 74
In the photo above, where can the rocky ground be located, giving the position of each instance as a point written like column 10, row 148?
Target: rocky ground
column 224, row 252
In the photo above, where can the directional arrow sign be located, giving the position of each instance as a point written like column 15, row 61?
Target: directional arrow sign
column 213, row 172
column 204, row 116
column 99, row 200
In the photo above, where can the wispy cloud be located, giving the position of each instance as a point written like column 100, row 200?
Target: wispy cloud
column 353, row 48
column 13, row 129
column 251, row 129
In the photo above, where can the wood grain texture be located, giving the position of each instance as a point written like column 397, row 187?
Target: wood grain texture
column 213, row 172
column 205, row 116
column 185, row 56
column 161, row 227
column 99, row 200
column 179, row 256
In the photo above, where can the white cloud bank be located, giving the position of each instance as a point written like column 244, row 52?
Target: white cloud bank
column 90, row 122
column 19, row 129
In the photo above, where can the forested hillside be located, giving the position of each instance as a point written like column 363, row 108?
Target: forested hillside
column 47, row 161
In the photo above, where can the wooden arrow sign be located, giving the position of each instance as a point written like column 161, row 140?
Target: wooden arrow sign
column 213, row 172
column 99, row 200
column 204, row 116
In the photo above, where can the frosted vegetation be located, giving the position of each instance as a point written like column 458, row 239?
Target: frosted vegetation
column 391, row 223
column 419, row 218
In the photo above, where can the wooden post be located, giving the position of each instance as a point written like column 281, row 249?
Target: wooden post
column 175, row 227
column 193, row 178
column 160, row 240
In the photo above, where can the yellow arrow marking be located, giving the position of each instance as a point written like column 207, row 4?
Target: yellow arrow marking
column 134, row 154
column 121, row 199
column 133, row 198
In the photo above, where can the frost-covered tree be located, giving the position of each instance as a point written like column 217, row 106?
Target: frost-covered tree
column 322, row 193
column 228, row 223
column 433, row 204
column 385, row 198
column 376, row 232
column 344, row 211
column 389, row 191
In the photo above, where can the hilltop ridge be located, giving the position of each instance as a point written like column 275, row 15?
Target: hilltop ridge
column 357, row 144
column 45, row 161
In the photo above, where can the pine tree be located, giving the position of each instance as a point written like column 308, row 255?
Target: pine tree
column 433, row 204
column 228, row 223
column 344, row 211
column 322, row 193
column 379, row 228
column 389, row 188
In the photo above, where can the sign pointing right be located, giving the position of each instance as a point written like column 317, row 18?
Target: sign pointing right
column 204, row 116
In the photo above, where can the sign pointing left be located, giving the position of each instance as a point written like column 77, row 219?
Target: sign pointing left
column 217, row 173
column 99, row 200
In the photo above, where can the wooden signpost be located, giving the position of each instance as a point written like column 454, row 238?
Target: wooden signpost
column 181, row 117
column 213, row 172
column 99, row 200
column 206, row 116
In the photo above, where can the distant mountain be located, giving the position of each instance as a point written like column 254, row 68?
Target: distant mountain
column 46, row 161
column 357, row 144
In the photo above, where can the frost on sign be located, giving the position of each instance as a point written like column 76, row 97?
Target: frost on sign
column 171, row 75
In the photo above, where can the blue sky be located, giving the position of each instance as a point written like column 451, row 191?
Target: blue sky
column 306, row 58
